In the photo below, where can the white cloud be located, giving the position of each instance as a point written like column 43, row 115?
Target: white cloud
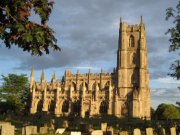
column 169, row 96
column 168, row 80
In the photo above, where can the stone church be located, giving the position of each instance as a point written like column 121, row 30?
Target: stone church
column 123, row 93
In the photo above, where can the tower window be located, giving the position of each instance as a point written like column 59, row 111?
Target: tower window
column 131, row 41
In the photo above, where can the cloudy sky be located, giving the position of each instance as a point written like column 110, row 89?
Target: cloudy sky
column 87, row 32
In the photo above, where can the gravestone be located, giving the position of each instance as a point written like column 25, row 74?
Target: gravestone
column 103, row 126
column 6, row 129
column 110, row 131
column 137, row 131
column 163, row 131
column 60, row 130
column 43, row 130
column 149, row 131
column 29, row 130
column 75, row 133
column 97, row 132
column 23, row 131
column 173, row 131
column 2, row 123
column 123, row 133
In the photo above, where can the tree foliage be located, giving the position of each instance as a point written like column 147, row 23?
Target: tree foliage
column 16, row 28
column 167, row 111
column 14, row 91
column 174, row 13
column 152, row 113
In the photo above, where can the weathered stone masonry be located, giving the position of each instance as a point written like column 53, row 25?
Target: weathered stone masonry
column 123, row 93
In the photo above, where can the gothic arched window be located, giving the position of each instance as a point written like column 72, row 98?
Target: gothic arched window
column 77, row 107
column 65, row 106
column 39, row 106
column 51, row 106
column 131, row 41
column 103, row 107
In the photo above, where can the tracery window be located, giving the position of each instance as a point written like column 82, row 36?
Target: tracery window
column 131, row 41
column 103, row 107
column 77, row 107
column 51, row 106
column 65, row 106
column 39, row 106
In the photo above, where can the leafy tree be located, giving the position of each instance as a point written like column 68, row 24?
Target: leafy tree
column 175, row 37
column 178, row 103
column 16, row 28
column 14, row 91
column 167, row 111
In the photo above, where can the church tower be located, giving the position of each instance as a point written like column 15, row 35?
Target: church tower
column 132, row 72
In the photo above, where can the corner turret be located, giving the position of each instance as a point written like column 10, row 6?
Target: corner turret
column 42, row 77
column 31, row 78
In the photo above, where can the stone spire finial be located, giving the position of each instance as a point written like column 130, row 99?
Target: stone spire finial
column 120, row 22
column 89, row 70
column 32, row 72
column 54, row 77
column 141, row 21
column 42, row 76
